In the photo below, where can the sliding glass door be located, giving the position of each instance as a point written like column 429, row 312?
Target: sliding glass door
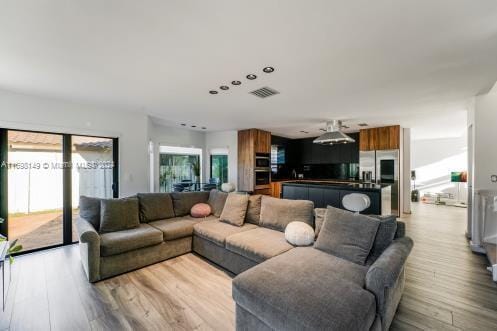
column 91, row 171
column 35, row 191
column 42, row 176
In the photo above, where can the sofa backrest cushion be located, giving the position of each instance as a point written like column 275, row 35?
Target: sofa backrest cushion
column 217, row 199
column 89, row 209
column 347, row 235
column 277, row 213
column 119, row 214
column 235, row 209
column 319, row 216
column 155, row 206
column 254, row 209
column 384, row 236
column 184, row 201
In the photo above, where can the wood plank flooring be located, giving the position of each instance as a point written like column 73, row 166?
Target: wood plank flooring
column 447, row 288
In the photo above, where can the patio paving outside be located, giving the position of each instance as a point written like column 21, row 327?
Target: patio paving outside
column 39, row 229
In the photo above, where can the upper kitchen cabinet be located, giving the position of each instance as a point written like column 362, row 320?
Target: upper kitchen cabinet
column 262, row 141
column 309, row 153
column 383, row 138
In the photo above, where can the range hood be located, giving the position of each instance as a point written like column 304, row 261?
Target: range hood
column 333, row 135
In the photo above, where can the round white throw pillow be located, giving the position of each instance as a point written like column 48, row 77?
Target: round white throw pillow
column 299, row 234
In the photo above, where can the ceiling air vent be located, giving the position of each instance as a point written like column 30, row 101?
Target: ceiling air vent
column 264, row 92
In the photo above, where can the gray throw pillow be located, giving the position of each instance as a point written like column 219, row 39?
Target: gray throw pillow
column 119, row 214
column 217, row 200
column 155, row 206
column 347, row 235
column 254, row 209
column 89, row 209
column 235, row 209
column 384, row 236
column 277, row 213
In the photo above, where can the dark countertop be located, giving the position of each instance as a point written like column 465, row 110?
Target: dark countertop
column 352, row 186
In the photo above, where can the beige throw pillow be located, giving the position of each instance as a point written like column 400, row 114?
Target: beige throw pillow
column 235, row 209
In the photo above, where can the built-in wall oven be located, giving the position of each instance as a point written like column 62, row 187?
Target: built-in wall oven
column 262, row 176
column 262, row 160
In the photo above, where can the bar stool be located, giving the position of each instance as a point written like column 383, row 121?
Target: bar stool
column 356, row 202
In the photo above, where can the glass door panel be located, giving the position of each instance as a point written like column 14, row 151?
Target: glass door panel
column 35, row 188
column 219, row 169
column 92, row 171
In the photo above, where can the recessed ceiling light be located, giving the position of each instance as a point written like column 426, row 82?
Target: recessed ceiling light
column 213, row 92
column 268, row 70
column 183, row 124
column 194, row 126
column 203, row 128
column 362, row 124
column 236, row 82
column 251, row 76
column 224, row 87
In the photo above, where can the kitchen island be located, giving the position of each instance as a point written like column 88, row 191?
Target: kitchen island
column 331, row 193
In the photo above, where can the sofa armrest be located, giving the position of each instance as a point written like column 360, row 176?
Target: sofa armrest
column 89, row 246
column 385, row 278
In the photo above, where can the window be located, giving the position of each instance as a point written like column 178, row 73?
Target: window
column 180, row 169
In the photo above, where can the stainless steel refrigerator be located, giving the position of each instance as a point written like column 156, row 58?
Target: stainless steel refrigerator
column 385, row 168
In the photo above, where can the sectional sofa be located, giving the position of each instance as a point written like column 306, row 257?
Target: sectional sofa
column 279, row 286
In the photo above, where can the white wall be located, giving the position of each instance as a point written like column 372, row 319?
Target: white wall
column 435, row 159
column 18, row 111
column 228, row 140
column 484, row 120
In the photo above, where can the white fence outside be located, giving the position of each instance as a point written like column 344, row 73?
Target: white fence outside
column 33, row 189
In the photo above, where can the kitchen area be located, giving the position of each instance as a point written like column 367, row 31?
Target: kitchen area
column 325, row 169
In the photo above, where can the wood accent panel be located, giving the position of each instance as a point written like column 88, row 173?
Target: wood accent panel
column 263, row 191
column 387, row 137
column 246, row 160
column 262, row 142
column 250, row 142
column 447, row 287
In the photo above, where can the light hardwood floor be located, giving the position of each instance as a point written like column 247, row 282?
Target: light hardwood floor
column 447, row 288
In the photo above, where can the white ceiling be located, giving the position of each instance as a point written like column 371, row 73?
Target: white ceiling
column 410, row 62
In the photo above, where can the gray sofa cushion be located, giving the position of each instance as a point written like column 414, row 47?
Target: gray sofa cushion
column 319, row 215
column 155, row 206
column 258, row 244
column 118, row 214
column 216, row 231
column 89, row 209
column 217, row 199
column 306, row 289
column 118, row 242
column 235, row 209
column 178, row 227
column 347, row 235
column 277, row 213
column 184, row 201
column 254, row 209
column 384, row 236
